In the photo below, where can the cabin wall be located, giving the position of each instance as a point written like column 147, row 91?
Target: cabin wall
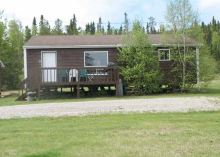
column 75, row 57
column 65, row 57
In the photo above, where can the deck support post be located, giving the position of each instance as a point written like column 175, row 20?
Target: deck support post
column 116, row 90
column 39, row 92
column 78, row 91
column 71, row 89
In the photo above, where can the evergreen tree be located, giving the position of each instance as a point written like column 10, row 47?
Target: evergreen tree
column 71, row 29
column 34, row 27
column 148, row 28
column 109, row 29
column 75, row 30
column 57, row 30
column 27, row 35
column 87, row 30
column 126, row 23
column 115, row 31
column 103, row 31
column 162, row 29
column 214, row 24
column 92, row 28
column 13, row 58
column 99, row 25
column 152, row 24
column 120, row 30
column 44, row 26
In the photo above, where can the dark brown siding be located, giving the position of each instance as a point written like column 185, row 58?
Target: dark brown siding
column 75, row 57
column 65, row 57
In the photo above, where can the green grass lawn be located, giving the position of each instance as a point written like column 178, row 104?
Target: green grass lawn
column 212, row 91
column 148, row 134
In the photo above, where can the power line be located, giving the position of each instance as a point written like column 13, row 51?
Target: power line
column 65, row 22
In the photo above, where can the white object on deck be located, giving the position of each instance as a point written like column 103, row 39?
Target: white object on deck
column 73, row 73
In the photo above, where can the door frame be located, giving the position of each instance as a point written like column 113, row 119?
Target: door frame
column 48, row 52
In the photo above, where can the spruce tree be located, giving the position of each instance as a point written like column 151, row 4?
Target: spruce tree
column 147, row 28
column 120, row 30
column 57, row 30
column 27, row 34
column 44, row 26
column 109, row 30
column 34, row 27
column 152, row 24
column 74, row 28
column 126, row 23
column 92, row 28
column 99, row 25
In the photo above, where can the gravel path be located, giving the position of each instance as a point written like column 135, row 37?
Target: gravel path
column 111, row 106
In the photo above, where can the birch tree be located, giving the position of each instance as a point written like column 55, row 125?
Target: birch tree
column 180, row 16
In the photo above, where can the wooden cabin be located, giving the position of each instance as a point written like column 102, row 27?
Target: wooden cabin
column 83, row 60
column 1, row 66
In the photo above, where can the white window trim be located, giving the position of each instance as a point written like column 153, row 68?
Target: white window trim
column 159, row 54
column 95, row 52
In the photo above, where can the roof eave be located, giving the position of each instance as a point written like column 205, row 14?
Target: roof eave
column 101, row 46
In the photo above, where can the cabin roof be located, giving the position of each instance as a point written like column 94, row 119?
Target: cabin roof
column 1, row 64
column 71, row 41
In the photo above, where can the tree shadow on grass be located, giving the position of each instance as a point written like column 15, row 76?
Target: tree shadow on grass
column 46, row 154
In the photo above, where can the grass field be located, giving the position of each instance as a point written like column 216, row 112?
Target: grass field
column 162, row 134
column 212, row 91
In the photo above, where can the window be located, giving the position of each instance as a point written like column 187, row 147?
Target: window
column 164, row 54
column 95, row 58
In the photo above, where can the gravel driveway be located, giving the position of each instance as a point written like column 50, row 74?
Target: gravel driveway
column 111, row 106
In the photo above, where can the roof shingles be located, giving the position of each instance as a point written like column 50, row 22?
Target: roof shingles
column 85, row 40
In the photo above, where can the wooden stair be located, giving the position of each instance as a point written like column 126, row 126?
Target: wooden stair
column 28, row 85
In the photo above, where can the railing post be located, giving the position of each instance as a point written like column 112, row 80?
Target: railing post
column 117, row 82
column 39, row 91
column 78, row 92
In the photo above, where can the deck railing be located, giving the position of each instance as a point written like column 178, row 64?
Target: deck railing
column 74, row 75
column 68, row 76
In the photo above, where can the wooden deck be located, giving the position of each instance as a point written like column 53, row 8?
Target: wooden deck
column 73, row 77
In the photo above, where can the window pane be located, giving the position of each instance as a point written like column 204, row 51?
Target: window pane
column 96, row 59
column 164, row 55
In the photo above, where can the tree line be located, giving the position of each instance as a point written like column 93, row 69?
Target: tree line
column 13, row 37
column 90, row 28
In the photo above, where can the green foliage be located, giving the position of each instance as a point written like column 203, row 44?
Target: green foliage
column 126, row 23
column 99, row 25
column 177, row 67
column 207, row 66
column 44, row 26
column 180, row 17
column 34, row 27
column 27, row 34
column 57, row 30
column 109, row 29
column 152, row 23
column 207, row 63
column 138, row 63
column 13, row 55
column 72, row 27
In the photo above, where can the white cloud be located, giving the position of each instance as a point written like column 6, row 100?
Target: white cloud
column 208, row 3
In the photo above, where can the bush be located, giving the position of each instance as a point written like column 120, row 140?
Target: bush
column 138, row 63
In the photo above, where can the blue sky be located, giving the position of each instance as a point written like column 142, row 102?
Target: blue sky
column 90, row 10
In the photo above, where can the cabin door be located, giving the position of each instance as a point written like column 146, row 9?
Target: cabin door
column 49, row 61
